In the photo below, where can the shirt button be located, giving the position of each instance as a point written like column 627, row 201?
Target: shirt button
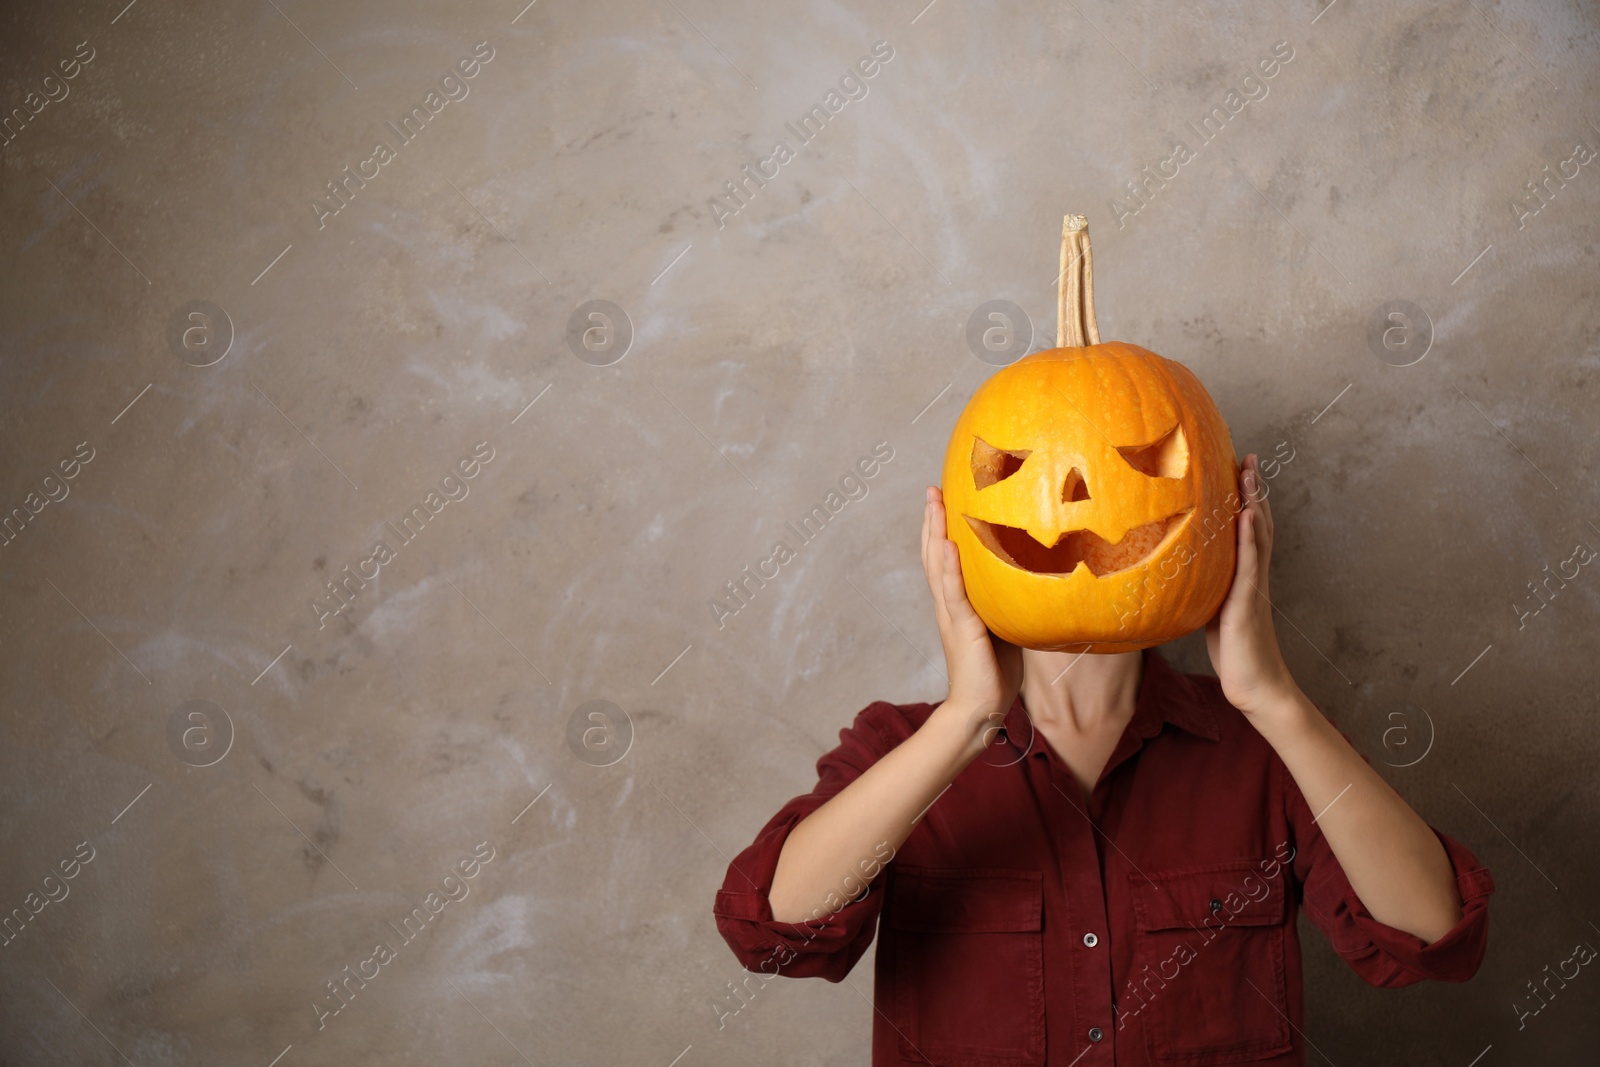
column 1095, row 1033
column 1090, row 940
column 1216, row 905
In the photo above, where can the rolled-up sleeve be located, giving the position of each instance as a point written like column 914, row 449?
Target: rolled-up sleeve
column 829, row 944
column 1383, row 955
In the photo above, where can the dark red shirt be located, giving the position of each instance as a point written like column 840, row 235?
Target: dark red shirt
column 1156, row 927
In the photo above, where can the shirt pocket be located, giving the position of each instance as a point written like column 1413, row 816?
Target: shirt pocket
column 1205, row 936
column 966, row 967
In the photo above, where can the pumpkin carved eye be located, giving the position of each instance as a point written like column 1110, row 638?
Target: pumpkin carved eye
column 1167, row 457
column 991, row 464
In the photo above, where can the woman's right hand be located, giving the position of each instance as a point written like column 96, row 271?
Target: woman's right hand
column 985, row 672
column 822, row 856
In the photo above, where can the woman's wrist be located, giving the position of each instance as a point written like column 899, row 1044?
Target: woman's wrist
column 1286, row 716
column 967, row 727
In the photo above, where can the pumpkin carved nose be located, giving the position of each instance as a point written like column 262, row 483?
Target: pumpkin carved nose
column 1074, row 488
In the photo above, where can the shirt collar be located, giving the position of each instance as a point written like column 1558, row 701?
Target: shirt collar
column 1165, row 695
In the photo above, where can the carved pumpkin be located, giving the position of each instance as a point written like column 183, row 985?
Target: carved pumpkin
column 1091, row 489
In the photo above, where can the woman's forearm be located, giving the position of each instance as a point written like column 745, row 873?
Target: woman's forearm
column 828, row 852
column 1393, row 860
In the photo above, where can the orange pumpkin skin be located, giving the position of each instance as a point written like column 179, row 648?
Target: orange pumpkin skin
column 1116, row 531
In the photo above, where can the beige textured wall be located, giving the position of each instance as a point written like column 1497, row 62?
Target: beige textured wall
column 354, row 764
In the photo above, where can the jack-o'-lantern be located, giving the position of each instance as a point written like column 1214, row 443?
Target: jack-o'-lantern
column 1091, row 488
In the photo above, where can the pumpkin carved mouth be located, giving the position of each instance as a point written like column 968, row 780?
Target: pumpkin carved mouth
column 1076, row 548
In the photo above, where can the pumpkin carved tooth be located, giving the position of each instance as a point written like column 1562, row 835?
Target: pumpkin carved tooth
column 1102, row 434
column 1076, row 548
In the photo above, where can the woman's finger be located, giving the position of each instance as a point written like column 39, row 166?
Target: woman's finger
column 1261, row 531
column 927, row 508
column 937, row 565
column 1245, row 576
column 1266, row 504
column 955, row 590
column 931, row 563
column 1240, row 592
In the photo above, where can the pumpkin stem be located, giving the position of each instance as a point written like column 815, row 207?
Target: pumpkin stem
column 1075, row 325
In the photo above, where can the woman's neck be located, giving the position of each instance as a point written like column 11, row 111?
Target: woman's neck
column 1080, row 693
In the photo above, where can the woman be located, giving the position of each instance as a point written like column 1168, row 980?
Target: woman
column 1095, row 859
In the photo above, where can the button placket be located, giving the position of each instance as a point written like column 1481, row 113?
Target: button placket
column 1072, row 824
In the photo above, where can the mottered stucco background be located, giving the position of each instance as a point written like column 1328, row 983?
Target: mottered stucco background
column 252, row 392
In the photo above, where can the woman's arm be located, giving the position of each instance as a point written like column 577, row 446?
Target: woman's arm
column 1393, row 859
column 824, row 854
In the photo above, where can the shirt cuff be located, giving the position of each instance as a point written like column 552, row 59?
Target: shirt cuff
column 1455, row 956
column 826, row 945
column 826, row 933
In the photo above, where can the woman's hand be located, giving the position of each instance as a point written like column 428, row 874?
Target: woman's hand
column 1241, row 640
column 821, row 857
column 985, row 672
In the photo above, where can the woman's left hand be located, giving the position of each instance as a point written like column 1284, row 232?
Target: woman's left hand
column 1241, row 639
